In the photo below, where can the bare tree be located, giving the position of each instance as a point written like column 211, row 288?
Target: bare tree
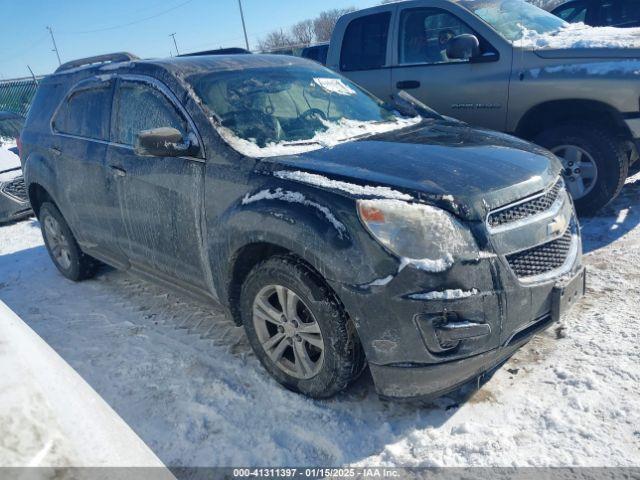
column 324, row 23
column 302, row 32
column 275, row 40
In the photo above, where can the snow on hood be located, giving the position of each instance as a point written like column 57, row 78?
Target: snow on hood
column 8, row 159
column 579, row 35
column 336, row 133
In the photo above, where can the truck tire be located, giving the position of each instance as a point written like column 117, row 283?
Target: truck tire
column 595, row 163
column 63, row 247
column 298, row 329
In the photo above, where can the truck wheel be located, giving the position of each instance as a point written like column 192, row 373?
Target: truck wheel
column 298, row 329
column 594, row 160
column 62, row 246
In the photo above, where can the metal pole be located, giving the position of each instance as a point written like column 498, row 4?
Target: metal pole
column 55, row 47
column 244, row 27
column 173, row 35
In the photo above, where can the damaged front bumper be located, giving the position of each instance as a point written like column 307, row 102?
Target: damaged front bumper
column 422, row 345
column 14, row 204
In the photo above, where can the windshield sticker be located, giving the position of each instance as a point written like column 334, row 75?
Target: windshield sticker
column 334, row 85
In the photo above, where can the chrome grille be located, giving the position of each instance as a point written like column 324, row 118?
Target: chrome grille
column 542, row 258
column 526, row 209
column 16, row 189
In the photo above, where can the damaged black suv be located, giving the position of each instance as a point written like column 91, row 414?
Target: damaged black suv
column 340, row 231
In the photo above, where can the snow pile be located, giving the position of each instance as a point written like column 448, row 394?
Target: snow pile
column 579, row 35
column 428, row 265
column 336, row 133
column 364, row 191
column 444, row 295
column 295, row 197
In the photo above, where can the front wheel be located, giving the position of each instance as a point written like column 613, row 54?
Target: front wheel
column 594, row 160
column 298, row 329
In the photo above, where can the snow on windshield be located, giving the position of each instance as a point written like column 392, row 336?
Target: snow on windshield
column 336, row 133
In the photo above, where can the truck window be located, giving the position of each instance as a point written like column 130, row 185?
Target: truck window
column 424, row 33
column 364, row 46
column 573, row 12
column 85, row 112
column 143, row 107
column 619, row 13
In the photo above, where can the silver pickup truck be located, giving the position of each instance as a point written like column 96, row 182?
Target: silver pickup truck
column 509, row 66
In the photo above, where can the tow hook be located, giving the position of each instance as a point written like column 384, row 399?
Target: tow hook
column 444, row 332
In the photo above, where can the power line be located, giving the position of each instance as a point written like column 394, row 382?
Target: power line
column 114, row 27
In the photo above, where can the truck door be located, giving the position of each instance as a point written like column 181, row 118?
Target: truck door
column 160, row 197
column 473, row 91
column 363, row 55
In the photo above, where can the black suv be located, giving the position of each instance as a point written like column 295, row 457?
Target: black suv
column 338, row 230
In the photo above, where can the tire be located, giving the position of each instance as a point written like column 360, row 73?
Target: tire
column 63, row 247
column 599, row 147
column 325, row 373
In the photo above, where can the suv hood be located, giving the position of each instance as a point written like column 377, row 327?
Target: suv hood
column 481, row 169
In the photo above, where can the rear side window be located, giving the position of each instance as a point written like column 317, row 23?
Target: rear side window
column 619, row 13
column 86, row 112
column 143, row 107
column 573, row 12
column 364, row 46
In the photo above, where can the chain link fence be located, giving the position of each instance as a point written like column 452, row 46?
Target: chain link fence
column 16, row 95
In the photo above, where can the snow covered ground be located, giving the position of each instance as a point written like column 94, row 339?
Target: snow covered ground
column 184, row 378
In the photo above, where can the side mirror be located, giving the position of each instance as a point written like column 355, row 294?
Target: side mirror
column 463, row 47
column 165, row 142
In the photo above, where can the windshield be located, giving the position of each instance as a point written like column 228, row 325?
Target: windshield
column 514, row 18
column 275, row 110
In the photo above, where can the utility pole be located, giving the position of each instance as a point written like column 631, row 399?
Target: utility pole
column 55, row 47
column 244, row 27
column 35, row 80
column 173, row 35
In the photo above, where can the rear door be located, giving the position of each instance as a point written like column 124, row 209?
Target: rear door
column 473, row 92
column 364, row 52
column 80, row 141
column 160, row 197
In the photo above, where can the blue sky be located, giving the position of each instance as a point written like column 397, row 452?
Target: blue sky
column 88, row 27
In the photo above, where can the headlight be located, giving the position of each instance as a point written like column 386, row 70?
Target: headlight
column 423, row 235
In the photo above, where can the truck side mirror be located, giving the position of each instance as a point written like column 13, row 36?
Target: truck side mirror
column 164, row 142
column 463, row 47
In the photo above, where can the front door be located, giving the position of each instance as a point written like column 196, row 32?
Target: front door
column 476, row 93
column 160, row 197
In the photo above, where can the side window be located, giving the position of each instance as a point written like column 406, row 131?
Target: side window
column 86, row 112
column 573, row 12
column 143, row 107
column 619, row 13
column 364, row 46
column 424, row 33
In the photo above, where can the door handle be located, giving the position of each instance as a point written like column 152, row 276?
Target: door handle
column 408, row 84
column 54, row 151
column 118, row 171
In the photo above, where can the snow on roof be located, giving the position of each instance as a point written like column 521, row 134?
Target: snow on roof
column 579, row 35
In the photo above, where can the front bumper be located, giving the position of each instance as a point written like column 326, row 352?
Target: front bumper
column 14, row 204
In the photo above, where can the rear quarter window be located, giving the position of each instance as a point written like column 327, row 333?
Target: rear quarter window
column 364, row 46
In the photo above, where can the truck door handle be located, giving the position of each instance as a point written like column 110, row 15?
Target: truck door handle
column 408, row 84
column 118, row 171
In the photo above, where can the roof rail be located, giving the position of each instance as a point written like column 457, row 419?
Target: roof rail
column 107, row 57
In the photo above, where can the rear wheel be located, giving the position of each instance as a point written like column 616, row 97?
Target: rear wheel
column 594, row 160
column 298, row 329
column 62, row 246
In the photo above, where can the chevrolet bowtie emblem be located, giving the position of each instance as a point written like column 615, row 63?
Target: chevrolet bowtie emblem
column 557, row 226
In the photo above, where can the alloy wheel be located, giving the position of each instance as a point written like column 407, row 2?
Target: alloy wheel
column 58, row 243
column 288, row 331
column 580, row 169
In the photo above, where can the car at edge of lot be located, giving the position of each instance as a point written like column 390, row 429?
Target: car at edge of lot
column 14, row 204
column 339, row 230
column 509, row 66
